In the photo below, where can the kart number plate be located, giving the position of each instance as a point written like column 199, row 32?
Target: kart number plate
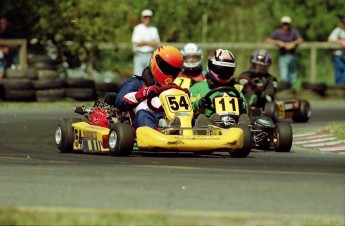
column 183, row 82
column 227, row 104
column 178, row 103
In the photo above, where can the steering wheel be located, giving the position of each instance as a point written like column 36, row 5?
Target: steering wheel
column 221, row 89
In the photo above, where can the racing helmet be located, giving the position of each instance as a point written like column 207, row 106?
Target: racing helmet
column 221, row 66
column 261, row 61
column 165, row 64
column 192, row 56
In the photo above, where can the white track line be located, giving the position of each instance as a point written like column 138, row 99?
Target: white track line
column 315, row 145
column 314, row 140
column 303, row 134
column 312, row 137
column 339, row 148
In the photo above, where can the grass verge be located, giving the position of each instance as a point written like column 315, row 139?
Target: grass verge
column 82, row 216
column 338, row 131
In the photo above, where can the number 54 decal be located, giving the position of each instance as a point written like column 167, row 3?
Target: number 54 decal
column 227, row 104
column 178, row 103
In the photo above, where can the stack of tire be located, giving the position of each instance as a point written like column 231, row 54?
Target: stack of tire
column 103, row 87
column 46, row 81
column 49, row 86
column 18, row 85
column 80, row 89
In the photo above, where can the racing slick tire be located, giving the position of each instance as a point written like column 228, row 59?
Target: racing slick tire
column 64, row 136
column 271, row 110
column 283, row 133
column 121, row 139
column 247, row 143
column 304, row 113
column 245, row 120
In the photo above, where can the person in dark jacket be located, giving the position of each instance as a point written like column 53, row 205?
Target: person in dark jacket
column 259, row 86
column 139, row 95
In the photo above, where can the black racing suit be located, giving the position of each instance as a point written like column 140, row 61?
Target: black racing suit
column 258, row 88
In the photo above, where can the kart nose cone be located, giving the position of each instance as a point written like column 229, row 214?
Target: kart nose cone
column 112, row 139
column 58, row 135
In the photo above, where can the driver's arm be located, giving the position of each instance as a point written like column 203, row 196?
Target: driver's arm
column 197, row 91
column 244, row 109
column 271, row 87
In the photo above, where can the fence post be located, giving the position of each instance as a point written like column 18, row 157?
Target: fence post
column 313, row 59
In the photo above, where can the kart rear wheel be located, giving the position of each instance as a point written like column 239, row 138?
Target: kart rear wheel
column 247, row 143
column 121, row 139
column 64, row 135
column 304, row 113
column 283, row 134
column 271, row 110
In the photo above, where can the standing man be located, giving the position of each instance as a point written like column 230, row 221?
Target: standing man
column 337, row 36
column 145, row 39
column 6, row 53
column 287, row 39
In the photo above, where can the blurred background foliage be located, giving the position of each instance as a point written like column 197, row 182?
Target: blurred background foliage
column 112, row 21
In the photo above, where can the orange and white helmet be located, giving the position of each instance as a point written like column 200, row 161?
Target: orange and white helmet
column 165, row 64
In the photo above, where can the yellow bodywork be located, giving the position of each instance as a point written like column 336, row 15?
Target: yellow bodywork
column 184, row 82
column 281, row 108
column 89, row 138
column 230, row 139
column 176, row 103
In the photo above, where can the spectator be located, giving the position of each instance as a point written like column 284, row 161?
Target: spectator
column 145, row 39
column 6, row 55
column 287, row 39
column 337, row 36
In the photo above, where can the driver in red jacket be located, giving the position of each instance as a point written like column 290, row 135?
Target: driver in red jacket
column 139, row 95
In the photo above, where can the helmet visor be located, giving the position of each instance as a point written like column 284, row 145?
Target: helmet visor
column 192, row 58
column 166, row 68
column 223, row 71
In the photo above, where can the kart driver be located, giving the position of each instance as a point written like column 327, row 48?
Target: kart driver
column 192, row 65
column 221, row 66
column 139, row 95
column 259, row 86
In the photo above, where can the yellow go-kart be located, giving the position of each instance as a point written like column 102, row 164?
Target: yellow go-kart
column 266, row 134
column 117, row 137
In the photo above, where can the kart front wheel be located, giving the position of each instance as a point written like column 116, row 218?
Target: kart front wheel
column 247, row 143
column 121, row 139
column 304, row 113
column 245, row 120
column 283, row 136
column 64, row 136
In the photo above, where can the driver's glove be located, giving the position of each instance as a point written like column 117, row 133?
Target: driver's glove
column 203, row 102
column 147, row 92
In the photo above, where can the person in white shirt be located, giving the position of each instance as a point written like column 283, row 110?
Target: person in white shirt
column 337, row 36
column 145, row 39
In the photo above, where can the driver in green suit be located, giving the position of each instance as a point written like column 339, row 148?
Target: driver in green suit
column 221, row 66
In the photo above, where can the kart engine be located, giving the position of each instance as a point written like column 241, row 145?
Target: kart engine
column 102, row 114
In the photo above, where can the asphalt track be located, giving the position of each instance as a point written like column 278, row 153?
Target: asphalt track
column 300, row 183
